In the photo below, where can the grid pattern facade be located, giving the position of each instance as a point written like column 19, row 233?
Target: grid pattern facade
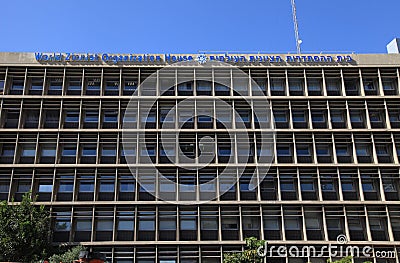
column 335, row 159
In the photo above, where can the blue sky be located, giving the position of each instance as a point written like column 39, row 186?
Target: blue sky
column 185, row 26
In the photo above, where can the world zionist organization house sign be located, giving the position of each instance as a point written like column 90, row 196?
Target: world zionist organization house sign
column 201, row 58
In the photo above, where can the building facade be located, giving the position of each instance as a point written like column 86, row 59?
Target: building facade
column 334, row 168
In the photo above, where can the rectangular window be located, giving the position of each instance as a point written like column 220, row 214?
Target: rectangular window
column 150, row 118
column 355, row 117
column 230, row 224
column 188, row 224
column 148, row 151
column 220, row 87
column 167, row 224
column 28, row 151
column 334, row 224
column 271, row 224
column 66, row 187
column 313, row 224
column 203, row 86
column 292, row 224
column 369, row 86
column 146, row 225
column 74, row 85
column 48, row 151
column 337, row 117
column 368, row 187
column 69, row 151
column 388, row 85
column 1, row 85
column 167, row 152
column 89, row 150
column 72, row 116
column 299, row 116
column 362, row 151
column 307, row 187
column 244, row 116
column 128, row 152
column 167, row 187
column 303, row 150
column 389, row 187
column 323, row 151
column 209, row 224
column 112, row 85
column 107, row 187
column 93, row 84
column 277, row 85
column 355, row 224
column 111, row 116
column 375, row 117
column 375, row 224
column 8, row 151
column 287, row 187
column 23, row 187
column 327, row 187
column 318, row 117
column 104, row 225
column 4, row 187
column 109, row 151
column 280, row 116
column 342, row 151
column 127, row 187
column 382, row 150
column 185, row 87
column 348, row 187
column 284, row 151
column 167, row 116
column 83, row 225
column 224, row 151
column 62, row 224
column 204, row 119
column 130, row 85
column 86, row 187
column 125, row 225
column 264, row 151
column 56, row 84
column 37, row 84
column 17, row 85
column 314, row 85
column 295, row 85
column 91, row 116
column 45, row 188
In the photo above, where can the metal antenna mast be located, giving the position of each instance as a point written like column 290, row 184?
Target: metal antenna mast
column 296, row 27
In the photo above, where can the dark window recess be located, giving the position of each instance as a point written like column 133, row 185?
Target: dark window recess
column 71, row 119
column 51, row 119
column 74, row 87
column 130, row 87
column 93, row 86
column 17, row 87
column 55, row 86
column 111, row 87
column 36, row 87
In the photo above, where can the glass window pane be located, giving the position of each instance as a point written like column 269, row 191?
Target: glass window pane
column 84, row 225
column 125, row 225
column 45, row 188
column 66, row 187
column 104, row 225
column 167, row 224
column 188, row 224
column 147, row 225
column 107, row 187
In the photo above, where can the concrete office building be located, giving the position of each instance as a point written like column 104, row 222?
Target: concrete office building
column 335, row 154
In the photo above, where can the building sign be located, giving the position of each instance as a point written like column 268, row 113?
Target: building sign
column 201, row 58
